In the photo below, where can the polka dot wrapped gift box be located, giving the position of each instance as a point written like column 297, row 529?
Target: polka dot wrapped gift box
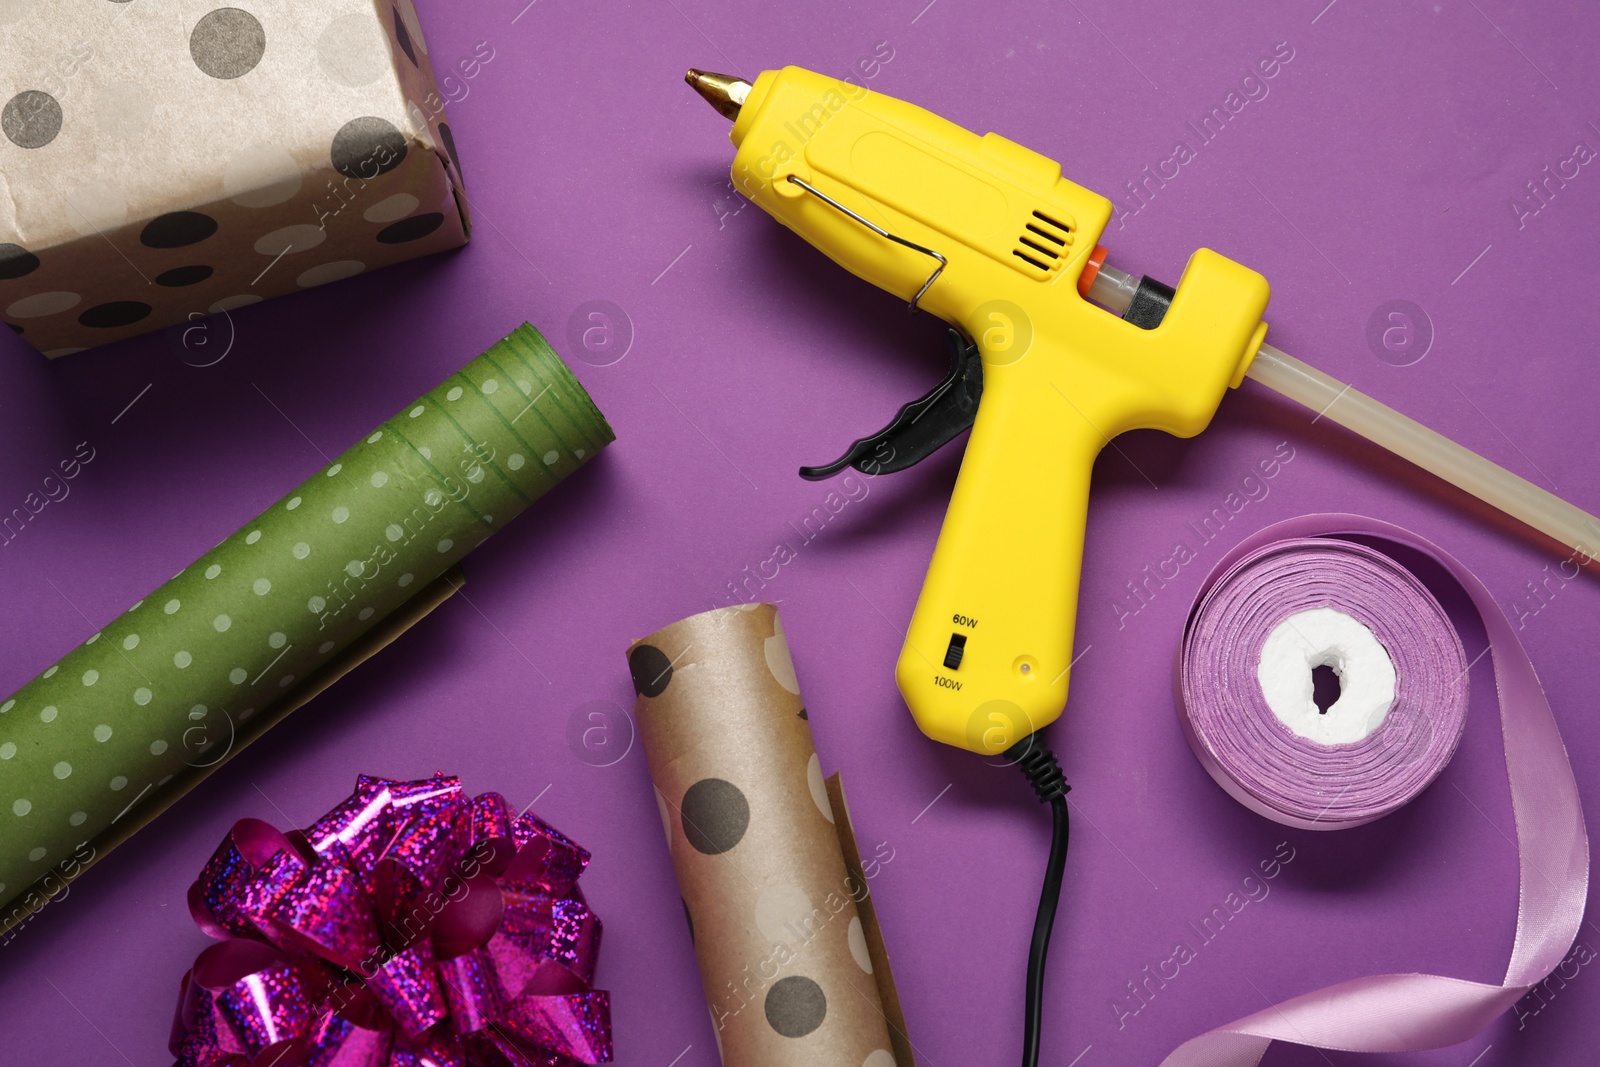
column 166, row 165
column 122, row 725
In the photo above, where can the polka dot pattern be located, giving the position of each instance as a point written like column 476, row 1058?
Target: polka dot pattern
column 449, row 140
column 352, row 50
column 776, row 651
column 335, row 271
column 795, row 1006
column 232, row 630
column 367, row 147
column 96, row 206
column 228, row 43
column 180, row 277
column 651, row 669
column 750, row 823
column 228, row 303
column 857, row 937
column 123, row 109
column 402, row 36
column 31, row 119
column 784, row 913
column 296, row 238
column 353, row 72
column 41, row 304
column 389, row 209
column 715, row 816
column 17, row 262
column 177, row 229
column 818, row 787
column 413, row 229
column 114, row 314
column 261, row 176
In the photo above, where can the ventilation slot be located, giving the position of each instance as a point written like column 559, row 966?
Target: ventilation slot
column 1047, row 235
column 1041, row 249
column 1043, row 242
column 1063, row 227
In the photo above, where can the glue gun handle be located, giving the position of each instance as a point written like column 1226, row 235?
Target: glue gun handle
column 1003, row 582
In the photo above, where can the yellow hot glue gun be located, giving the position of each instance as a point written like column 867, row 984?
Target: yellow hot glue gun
column 988, row 236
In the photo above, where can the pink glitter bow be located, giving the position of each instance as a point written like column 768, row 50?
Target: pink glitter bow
column 411, row 926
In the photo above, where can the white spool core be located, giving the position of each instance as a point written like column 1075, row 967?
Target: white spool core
column 1326, row 637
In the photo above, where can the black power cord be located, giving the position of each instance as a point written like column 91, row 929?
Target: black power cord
column 1044, row 774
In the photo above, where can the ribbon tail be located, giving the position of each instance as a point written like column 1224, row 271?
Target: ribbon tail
column 1223, row 1047
column 1407, row 1012
column 1379, row 1013
column 1552, row 841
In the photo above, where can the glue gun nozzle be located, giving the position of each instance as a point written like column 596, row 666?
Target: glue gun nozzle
column 722, row 91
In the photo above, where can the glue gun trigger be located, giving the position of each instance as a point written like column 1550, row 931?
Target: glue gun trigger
column 921, row 427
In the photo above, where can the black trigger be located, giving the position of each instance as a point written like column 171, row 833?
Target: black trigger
column 923, row 426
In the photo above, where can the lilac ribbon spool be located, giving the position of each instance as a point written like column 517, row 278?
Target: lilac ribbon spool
column 1245, row 699
column 1394, row 1012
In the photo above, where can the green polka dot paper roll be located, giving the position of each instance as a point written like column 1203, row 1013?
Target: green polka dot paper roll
column 112, row 732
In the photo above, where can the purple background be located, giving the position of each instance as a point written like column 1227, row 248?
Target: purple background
column 1379, row 167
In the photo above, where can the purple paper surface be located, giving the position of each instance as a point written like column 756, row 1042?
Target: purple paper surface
column 1380, row 166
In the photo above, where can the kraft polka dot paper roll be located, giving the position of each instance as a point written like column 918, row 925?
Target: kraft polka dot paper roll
column 165, row 163
column 772, row 904
column 112, row 732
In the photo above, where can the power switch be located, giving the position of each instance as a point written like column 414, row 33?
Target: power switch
column 953, row 654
